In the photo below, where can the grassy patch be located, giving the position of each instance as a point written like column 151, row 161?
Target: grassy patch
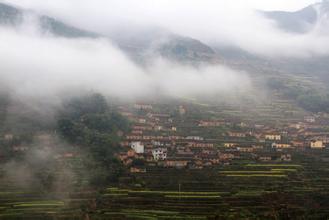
column 40, row 204
column 194, row 196
column 258, row 175
column 252, row 172
column 285, row 170
column 273, row 165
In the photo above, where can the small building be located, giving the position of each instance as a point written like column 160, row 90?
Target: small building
column 137, row 170
column 141, row 120
column 317, row 144
column 8, row 137
column 20, row 148
column 138, row 147
column 131, row 153
column 230, row 144
column 286, row 157
column 182, row 110
column 273, row 137
column 158, row 128
column 143, row 106
column 137, row 132
column 265, row 158
column 210, row 123
column 281, row 145
column 245, row 149
column 236, row 134
column 298, row 144
column 196, row 138
column 309, row 119
column 176, row 163
column 226, row 156
column 159, row 153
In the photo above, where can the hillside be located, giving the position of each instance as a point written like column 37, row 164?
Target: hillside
column 171, row 46
column 301, row 21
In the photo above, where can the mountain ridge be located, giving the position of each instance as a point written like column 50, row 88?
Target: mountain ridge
column 301, row 21
column 171, row 46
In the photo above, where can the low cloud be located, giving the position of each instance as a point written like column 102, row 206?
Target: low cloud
column 233, row 23
column 40, row 66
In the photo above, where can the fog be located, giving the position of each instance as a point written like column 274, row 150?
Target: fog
column 42, row 66
column 38, row 169
column 36, row 65
column 232, row 23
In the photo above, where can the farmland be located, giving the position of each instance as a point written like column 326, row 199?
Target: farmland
column 242, row 190
column 172, row 160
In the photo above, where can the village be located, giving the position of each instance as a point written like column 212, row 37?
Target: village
column 180, row 160
column 170, row 138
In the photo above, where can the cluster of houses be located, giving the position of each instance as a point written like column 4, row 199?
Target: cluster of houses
column 156, row 139
column 171, row 136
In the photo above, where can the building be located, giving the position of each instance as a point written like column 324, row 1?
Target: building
column 230, row 144
column 265, row 158
column 159, row 153
column 273, row 137
column 210, row 123
column 182, row 110
column 138, row 147
column 281, row 145
column 317, row 144
column 196, row 138
column 286, row 157
column 143, row 106
column 137, row 170
column 309, row 119
column 176, row 163
column 8, row 137
column 236, row 134
column 200, row 144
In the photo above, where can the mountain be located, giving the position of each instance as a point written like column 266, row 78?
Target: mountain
column 140, row 46
column 301, row 21
column 12, row 16
column 61, row 29
column 184, row 48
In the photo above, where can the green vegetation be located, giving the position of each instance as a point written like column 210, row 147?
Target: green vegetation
column 91, row 124
column 193, row 196
column 284, row 170
column 256, row 175
column 274, row 165
column 39, row 204
column 78, row 177
column 309, row 98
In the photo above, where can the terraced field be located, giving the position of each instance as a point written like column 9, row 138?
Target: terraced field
column 244, row 190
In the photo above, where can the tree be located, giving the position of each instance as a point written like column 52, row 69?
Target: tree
column 89, row 123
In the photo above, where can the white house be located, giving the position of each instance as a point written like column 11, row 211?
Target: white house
column 310, row 119
column 196, row 138
column 317, row 144
column 159, row 153
column 138, row 147
column 273, row 137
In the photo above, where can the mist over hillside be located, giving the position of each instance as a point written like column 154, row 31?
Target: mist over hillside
column 162, row 109
column 68, row 58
